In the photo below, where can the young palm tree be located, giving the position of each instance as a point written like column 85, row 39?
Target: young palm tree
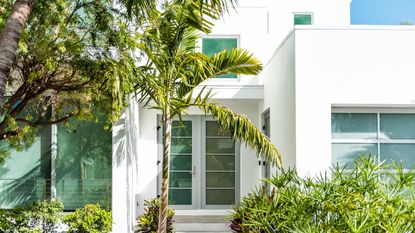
column 174, row 68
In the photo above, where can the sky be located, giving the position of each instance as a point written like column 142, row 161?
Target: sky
column 382, row 12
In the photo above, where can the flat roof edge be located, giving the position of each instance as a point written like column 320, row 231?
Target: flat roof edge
column 354, row 27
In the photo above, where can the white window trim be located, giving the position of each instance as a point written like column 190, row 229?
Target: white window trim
column 303, row 13
column 221, row 36
column 377, row 141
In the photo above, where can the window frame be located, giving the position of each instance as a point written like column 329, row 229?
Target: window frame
column 378, row 141
column 303, row 13
column 221, row 36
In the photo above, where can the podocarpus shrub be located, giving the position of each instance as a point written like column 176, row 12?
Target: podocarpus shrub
column 370, row 197
column 148, row 223
column 41, row 216
column 90, row 219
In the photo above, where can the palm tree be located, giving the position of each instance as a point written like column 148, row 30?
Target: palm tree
column 9, row 40
column 174, row 68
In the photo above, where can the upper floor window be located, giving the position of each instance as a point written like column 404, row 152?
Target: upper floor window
column 303, row 19
column 212, row 45
column 388, row 135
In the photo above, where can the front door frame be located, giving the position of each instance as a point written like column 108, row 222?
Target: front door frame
column 198, row 164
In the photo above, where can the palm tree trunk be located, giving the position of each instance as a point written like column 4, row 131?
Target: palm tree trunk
column 164, row 199
column 9, row 41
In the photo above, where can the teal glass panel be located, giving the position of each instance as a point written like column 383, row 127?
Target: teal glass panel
column 183, row 128
column 213, row 129
column 397, row 126
column 404, row 153
column 180, row 179
column 220, row 145
column 181, row 145
column 220, row 196
column 354, row 125
column 84, row 164
column 220, row 162
column 181, row 162
column 302, row 19
column 25, row 175
column 346, row 154
column 210, row 46
column 180, row 196
column 220, row 179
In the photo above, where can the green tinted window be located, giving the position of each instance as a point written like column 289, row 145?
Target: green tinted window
column 83, row 164
column 302, row 19
column 210, row 46
column 25, row 175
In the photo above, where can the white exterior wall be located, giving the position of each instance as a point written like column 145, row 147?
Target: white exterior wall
column 261, row 26
column 279, row 97
column 357, row 66
column 148, row 152
column 125, row 169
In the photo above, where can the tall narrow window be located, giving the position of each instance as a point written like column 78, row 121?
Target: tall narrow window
column 180, row 190
column 303, row 19
column 220, row 166
column 210, row 46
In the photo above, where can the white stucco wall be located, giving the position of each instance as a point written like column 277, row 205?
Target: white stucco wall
column 125, row 169
column 148, row 151
column 279, row 96
column 359, row 66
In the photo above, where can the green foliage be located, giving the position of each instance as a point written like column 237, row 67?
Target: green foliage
column 371, row 197
column 90, row 219
column 41, row 216
column 73, row 56
column 148, row 223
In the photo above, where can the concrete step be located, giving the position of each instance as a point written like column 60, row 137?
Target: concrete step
column 201, row 223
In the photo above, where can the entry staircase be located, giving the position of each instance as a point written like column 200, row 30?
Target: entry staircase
column 201, row 221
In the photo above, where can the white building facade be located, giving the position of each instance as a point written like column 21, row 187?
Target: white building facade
column 329, row 92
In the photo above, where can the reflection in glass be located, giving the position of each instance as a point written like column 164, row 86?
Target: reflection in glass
column 346, row 154
column 354, row 125
column 84, row 164
column 398, row 153
column 220, row 196
column 397, row 126
column 25, row 175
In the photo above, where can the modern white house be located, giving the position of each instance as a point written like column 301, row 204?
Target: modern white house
column 329, row 92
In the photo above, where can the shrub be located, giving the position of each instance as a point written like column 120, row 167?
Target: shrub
column 90, row 219
column 148, row 223
column 40, row 216
column 370, row 197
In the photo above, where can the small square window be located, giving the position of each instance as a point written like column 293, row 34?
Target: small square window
column 303, row 19
column 210, row 46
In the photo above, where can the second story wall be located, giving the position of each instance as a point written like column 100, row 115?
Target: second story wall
column 262, row 25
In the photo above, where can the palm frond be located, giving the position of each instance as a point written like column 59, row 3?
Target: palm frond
column 242, row 129
column 140, row 7
column 237, row 61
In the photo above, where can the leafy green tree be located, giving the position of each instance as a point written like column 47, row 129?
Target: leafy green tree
column 173, row 68
column 73, row 55
column 9, row 40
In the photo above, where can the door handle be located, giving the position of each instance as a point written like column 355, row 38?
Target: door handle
column 194, row 170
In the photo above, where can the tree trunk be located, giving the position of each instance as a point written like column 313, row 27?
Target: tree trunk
column 164, row 199
column 9, row 41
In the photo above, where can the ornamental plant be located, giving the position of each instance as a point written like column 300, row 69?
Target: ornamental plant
column 90, row 219
column 368, row 197
column 148, row 223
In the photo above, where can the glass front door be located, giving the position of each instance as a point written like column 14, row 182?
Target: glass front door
column 203, row 165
